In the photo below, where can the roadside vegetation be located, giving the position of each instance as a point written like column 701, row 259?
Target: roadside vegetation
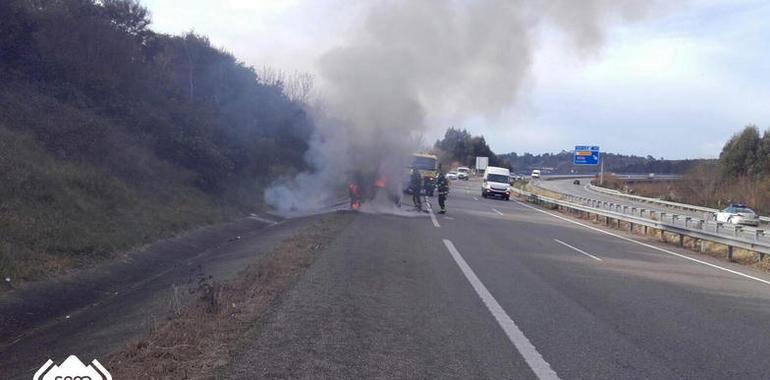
column 113, row 136
column 203, row 335
column 741, row 175
column 460, row 148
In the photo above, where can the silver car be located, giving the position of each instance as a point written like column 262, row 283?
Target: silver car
column 738, row 214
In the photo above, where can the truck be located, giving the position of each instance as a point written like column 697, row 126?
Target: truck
column 427, row 165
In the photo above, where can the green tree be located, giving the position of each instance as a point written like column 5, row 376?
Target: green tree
column 742, row 154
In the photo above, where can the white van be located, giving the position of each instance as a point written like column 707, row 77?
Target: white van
column 463, row 173
column 497, row 183
column 536, row 173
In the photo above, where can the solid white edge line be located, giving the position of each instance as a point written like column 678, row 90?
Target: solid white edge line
column 578, row 250
column 650, row 246
column 497, row 211
column 433, row 217
column 539, row 366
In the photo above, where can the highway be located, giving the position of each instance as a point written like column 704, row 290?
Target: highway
column 498, row 289
column 491, row 290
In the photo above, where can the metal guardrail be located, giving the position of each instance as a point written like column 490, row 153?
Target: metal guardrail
column 682, row 206
column 677, row 224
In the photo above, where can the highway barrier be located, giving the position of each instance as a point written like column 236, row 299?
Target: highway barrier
column 681, row 206
column 731, row 236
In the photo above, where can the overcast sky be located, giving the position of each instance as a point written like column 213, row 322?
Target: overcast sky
column 676, row 84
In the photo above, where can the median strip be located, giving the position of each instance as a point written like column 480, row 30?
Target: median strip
column 539, row 366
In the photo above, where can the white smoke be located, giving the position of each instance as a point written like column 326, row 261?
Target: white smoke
column 413, row 58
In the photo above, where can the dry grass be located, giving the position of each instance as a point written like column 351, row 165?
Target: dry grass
column 542, row 192
column 202, row 336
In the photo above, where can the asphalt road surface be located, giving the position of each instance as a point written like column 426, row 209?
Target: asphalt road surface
column 502, row 290
column 493, row 289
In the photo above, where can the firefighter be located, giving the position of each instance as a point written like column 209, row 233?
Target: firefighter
column 415, row 184
column 442, row 185
column 355, row 196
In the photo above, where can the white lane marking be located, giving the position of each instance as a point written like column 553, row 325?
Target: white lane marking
column 651, row 246
column 498, row 212
column 433, row 217
column 578, row 250
column 475, row 199
column 539, row 366
column 261, row 219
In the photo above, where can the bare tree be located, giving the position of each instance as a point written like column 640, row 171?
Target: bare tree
column 297, row 86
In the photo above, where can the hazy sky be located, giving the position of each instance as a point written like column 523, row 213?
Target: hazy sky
column 675, row 84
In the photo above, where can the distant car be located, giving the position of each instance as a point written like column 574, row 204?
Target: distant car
column 535, row 173
column 452, row 175
column 576, row 182
column 463, row 173
column 738, row 214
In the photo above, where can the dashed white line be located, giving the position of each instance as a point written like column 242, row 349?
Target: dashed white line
column 498, row 212
column 650, row 246
column 577, row 250
column 475, row 199
column 539, row 366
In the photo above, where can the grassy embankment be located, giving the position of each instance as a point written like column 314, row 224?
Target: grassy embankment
column 113, row 135
column 57, row 214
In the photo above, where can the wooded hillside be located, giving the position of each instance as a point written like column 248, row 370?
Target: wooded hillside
column 112, row 135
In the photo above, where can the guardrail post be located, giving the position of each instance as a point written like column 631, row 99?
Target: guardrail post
column 641, row 212
column 662, row 215
column 717, row 227
column 645, row 230
column 687, row 220
column 737, row 230
column 758, row 234
column 702, row 246
column 730, row 253
column 681, row 240
column 674, row 218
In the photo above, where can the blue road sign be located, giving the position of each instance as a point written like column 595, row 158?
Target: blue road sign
column 586, row 155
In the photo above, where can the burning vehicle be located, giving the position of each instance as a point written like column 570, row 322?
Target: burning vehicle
column 427, row 165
